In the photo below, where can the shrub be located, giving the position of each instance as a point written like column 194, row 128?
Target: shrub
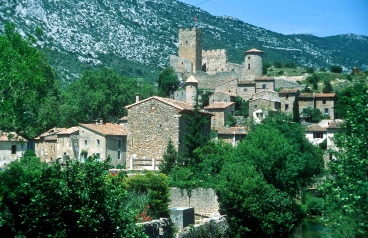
column 156, row 187
column 314, row 205
column 336, row 69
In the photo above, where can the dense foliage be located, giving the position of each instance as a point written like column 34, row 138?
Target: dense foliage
column 167, row 82
column 29, row 91
column 67, row 200
column 346, row 185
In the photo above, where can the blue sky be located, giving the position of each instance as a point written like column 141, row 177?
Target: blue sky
column 317, row 17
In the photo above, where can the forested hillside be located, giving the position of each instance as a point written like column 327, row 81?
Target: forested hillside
column 135, row 37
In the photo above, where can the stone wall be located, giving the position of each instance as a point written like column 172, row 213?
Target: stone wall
column 324, row 104
column 207, row 81
column 284, row 83
column 228, row 86
column 266, row 94
column 180, row 65
column 46, row 150
column 304, row 102
column 221, row 224
column 221, row 97
column 203, row 200
column 151, row 124
column 265, row 85
column 246, row 89
column 287, row 102
column 237, row 68
column 214, row 61
column 264, row 104
column 180, row 95
column 252, row 66
column 157, row 228
column 190, row 47
column 220, row 115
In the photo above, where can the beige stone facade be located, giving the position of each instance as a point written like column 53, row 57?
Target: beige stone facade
column 246, row 89
column 155, row 120
column 67, row 143
column 232, row 135
column 222, row 97
column 305, row 100
column 325, row 102
column 287, row 98
column 12, row 147
column 253, row 64
column 264, row 104
column 190, row 47
column 227, row 87
column 220, row 111
column 214, row 61
column 104, row 140
column 46, row 145
column 265, row 83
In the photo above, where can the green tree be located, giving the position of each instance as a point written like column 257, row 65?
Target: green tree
column 170, row 158
column 241, row 107
column 100, row 95
column 254, row 208
column 327, row 88
column 309, row 70
column 313, row 115
column 156, row 186
column 277, row 64
column 64, row 201
column 344, row 96
column 314, row 79
column 346, row 185
column 29, row 91
column 230, row 120
column 336, row 69
column 167, row 82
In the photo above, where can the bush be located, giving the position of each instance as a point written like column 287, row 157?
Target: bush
column 323, row 144
column 277, row 64
column 314, row 205
column 158, row 191
column 336, row 69
column 309, row 70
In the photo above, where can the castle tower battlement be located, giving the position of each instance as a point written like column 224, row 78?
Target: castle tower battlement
column 190, row 47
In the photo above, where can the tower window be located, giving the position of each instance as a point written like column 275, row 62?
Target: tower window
column 263, row 86
column 324, row 101
column 248, row 66
column 249, row 57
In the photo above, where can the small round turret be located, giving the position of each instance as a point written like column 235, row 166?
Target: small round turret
column 253, row 64
column 191, row 89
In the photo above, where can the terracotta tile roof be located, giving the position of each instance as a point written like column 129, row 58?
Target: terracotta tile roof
column 177, row 104
column 15, row 137
column 247, row 82
column 315, row 127
column 254, row 51
column 51, row 138
column 335, row 125
column 306, row 95
column 264, row 79
column 231, row 130
column 50, row 132
column 108, row 129
column 217, row 105
column 68, row 131
column 289, row 90
column 191, row 79
column 325, row 95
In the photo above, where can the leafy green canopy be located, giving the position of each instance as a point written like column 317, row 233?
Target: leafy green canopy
column 100, row 95
column 167, row 82
column 73, row 200
column 29, row 93
column 346, row 185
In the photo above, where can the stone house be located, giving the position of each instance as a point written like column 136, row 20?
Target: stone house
column 46, row 145
column 227, row 87
column 287, row 98
column 231, row 135
column 325, row 102
column 152, row 122
column 264, row 83
column 104, row 139
column 67, row 143
column 220, row 111
column 316, row 134
column 12, row 147
column 246, row 89
column 222, row 97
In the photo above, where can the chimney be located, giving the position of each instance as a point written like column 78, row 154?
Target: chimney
column 136, row 97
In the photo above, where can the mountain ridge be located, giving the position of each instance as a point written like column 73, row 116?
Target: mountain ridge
column 135, row 37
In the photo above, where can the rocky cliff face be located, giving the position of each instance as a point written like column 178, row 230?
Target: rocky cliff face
column 135, row 37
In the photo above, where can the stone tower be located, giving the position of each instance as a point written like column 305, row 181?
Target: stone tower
column 191, row 90
column 253, row 64
column 190, row 47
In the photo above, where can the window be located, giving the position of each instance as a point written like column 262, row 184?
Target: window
column 326, row 110
column 324, row 101
column 119, row 141
column 287, row 97
column 245, row 89
column 85, row 143
column 263, row 86
column 119, row 153
column 14, row 149
column 98, row 142
column 248, row 66
column 318, row 135
column 255, row 106
column 248, row 57
column 286, row 107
